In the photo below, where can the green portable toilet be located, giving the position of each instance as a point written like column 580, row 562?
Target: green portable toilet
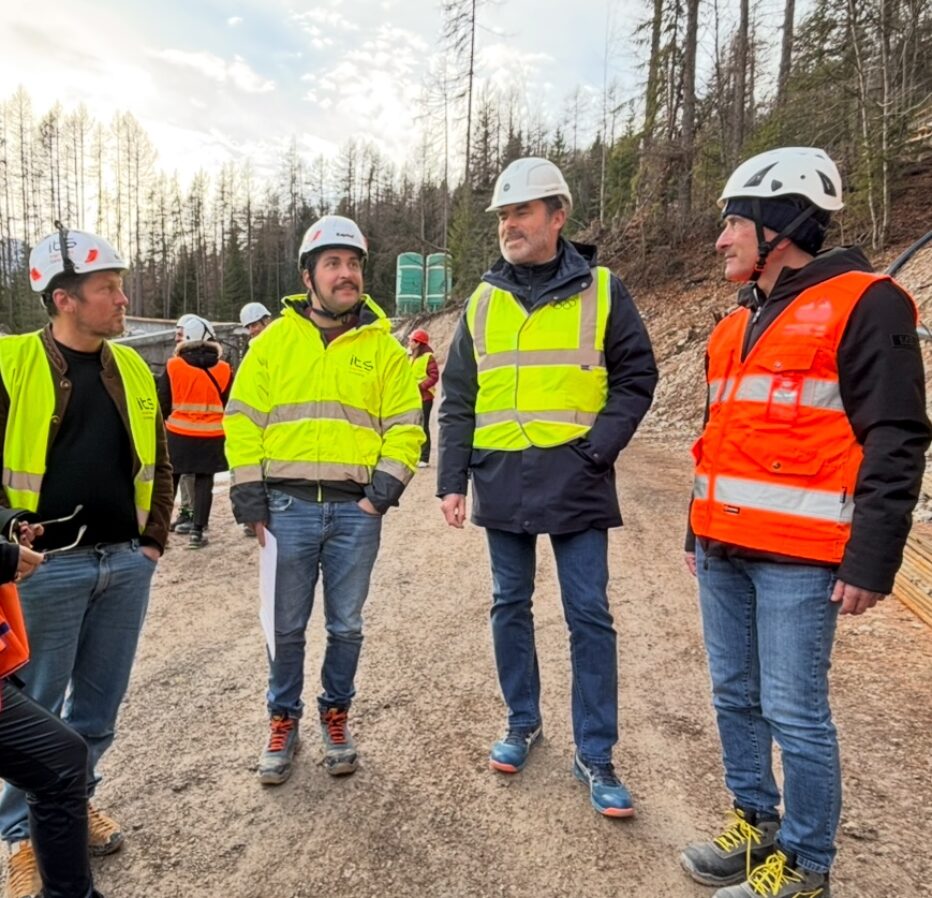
column 409, row 283
column 439, row 280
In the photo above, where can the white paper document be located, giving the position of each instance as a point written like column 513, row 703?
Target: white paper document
column 268, row 560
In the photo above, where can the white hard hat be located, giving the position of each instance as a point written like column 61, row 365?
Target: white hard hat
column 196, row 329
column 332, row 231
column 184, row 319
column 253, row 312
column 531, row 178
column 788, row 171
column 83, row 253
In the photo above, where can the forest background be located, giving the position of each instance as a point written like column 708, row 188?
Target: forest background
column 852, row 76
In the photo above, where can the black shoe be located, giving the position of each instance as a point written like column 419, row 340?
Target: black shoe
column 197, row 539
column 184, row 523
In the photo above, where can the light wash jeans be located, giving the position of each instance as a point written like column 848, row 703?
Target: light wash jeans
column 84, row 611
column 768, row 632
column 340, row 541
column 582, row 569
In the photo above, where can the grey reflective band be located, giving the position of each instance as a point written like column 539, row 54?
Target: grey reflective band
column 238, row 407
column 314, row 471
column 814, row 393
column 765, row 496
column 525, row 358
column 396, row 469
column 701, row 486
column 481, row 319
column 415, row 418
column 543, row 416
column 246, row 474
column 321, row 409
column 21, row 480
column 146, row 473
column 194, row 407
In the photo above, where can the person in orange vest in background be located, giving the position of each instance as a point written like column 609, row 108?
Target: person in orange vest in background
column 39, row 752
column 184, row 523
column 426, row 373
column 193, row 391
column 806, row 475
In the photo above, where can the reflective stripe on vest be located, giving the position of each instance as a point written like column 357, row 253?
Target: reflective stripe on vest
column 542, row 377
column 196, row 407
column 777, row 463
column 25, row 370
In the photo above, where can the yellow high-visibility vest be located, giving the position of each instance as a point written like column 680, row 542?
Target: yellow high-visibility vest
column 542, row 375
column 29, row 381
column 303, row 409
column 419, row 367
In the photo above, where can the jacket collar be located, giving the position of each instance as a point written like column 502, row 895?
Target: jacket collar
column 572, row 274
column 57, row 360
column 370, row 313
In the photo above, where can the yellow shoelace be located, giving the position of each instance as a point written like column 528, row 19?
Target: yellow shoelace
column 738, row 833
column 772, row 875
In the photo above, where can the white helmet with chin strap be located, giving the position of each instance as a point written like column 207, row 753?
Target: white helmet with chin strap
column 788, row 171
column 777, row 180
column 332, row 232
column 253, row 312
column 530, row 178
column 70, row 252
column 196, row 330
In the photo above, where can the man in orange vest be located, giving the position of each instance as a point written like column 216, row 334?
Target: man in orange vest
column 806, row 474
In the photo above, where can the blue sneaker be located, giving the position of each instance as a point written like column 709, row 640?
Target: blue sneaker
column 608, row 794
column 510, row 753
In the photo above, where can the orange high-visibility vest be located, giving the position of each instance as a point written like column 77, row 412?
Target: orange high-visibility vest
column 777, row 463
column 196, row 407
column 14, row 646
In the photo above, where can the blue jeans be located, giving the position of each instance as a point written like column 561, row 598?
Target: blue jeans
column 582, row 569
column 340, row 541
column 768, row 632
column 84, row 611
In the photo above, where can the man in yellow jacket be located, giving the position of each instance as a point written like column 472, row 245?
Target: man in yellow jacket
column 323, row 434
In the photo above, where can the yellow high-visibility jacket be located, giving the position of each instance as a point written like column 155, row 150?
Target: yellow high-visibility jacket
column 344, row 411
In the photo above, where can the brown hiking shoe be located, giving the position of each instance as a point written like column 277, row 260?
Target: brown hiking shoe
column 104, row 834
column 22, row 874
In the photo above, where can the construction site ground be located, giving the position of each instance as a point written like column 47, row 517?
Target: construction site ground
column 424, row 815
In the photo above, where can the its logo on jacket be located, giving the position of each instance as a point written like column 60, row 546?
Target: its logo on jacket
column 358, row 364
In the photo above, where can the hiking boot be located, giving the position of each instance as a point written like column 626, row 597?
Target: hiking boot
column 184, row 523
column 339, row 749
column 104, row 834
column 779, row 877
column 511, row 752
column 730, row 856
column 275, row 761
column 197, row 539
column 606, row 791
column 22, row 873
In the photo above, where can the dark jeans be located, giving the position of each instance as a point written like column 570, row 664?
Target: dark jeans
column 203, row 497
column 48, row 760
column 426, row 405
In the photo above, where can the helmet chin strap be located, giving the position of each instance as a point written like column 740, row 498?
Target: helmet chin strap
column 764, row 246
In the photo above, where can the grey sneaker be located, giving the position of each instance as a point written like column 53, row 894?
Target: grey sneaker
column 339, row 748
column 778, row 877
column 730, row 856
column 275, row 761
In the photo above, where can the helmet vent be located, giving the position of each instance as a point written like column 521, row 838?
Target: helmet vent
column 775, row 184
column 827, row 184
column 757, row 179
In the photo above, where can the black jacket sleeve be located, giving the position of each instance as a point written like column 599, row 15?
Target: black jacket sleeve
column 459, row 385
column 632, row 377
column 883, row 390
column 9, row 560
column 163, row 388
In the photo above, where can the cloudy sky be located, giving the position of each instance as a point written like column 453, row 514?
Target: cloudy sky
column 213, row 81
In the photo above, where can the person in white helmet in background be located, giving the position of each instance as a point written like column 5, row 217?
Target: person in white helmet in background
column 193, row 391
column 184, row 523
column 547, row 378
column 806, row 474
column 83, row 443
column 323, row 435
column 253, row 319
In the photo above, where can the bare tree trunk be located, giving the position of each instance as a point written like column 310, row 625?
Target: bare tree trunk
column 786, row 52
column 741, row 69
column 688, row 131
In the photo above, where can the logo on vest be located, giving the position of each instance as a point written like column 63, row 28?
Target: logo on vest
column 146, row 405
column 359, row 365
column 564, row 304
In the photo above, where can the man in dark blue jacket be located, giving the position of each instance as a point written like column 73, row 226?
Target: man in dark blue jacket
column 548, row 376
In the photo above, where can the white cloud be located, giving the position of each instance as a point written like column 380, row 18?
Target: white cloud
column 237, row 72
column 233, row 21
